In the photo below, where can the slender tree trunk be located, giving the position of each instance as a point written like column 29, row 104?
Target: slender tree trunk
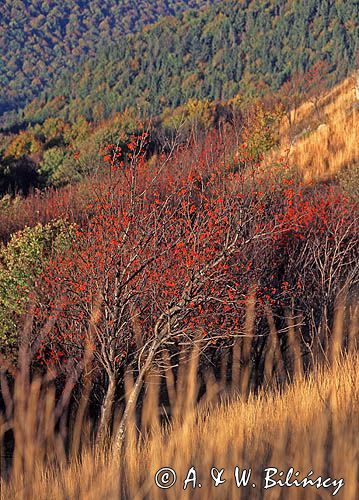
column 132, row 400
column 106, row 410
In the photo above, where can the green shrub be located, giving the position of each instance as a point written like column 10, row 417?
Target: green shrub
column 21, row 262
column 52, row 161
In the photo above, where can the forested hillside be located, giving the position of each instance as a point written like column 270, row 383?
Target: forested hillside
column 213, row 54
column 193, row 70
column 39, row 38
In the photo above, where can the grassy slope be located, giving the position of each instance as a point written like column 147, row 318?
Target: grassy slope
column 322, row 152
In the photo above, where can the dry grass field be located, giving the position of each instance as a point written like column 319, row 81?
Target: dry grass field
column 310, row 424
column 322, row 145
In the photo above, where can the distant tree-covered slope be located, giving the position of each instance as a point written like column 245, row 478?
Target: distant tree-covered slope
column 210, row 54
column 38, row 38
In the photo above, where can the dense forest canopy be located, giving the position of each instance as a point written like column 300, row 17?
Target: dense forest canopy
column 39, row 38
column 95, row 83
column 212, row 53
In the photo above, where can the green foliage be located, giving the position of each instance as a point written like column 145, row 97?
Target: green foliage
column 262, row 132
column 53, row 160
column 192, row 118
column 56, row 152
column 39, row 38
column 21, row 261
column 212, row 54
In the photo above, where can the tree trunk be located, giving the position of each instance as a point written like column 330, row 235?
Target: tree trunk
column 106, row 410
column 132, row 400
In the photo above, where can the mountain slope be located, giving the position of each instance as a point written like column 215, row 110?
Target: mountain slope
column 39, row 38
column 212, row 54
column 326, row 145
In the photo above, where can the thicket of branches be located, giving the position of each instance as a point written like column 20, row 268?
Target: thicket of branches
column 170, row 253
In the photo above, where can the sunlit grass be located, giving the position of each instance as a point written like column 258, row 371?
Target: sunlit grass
column 311, row 425
column 331, row 140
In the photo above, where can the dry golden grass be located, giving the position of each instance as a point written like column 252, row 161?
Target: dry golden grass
column 308, row 422
column 331, row 142
column 311, row 425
